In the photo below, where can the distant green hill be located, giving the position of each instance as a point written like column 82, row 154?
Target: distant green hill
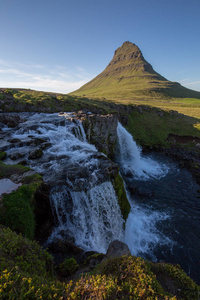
column 130, row 77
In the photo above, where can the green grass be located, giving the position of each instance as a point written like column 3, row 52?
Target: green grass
column 147, row 128
column 152, row 126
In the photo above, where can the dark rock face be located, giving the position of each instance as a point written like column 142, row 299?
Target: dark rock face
column 43, row 213
column 186, row 151
column 16, row 155
column 101, row 131
column 10, row 120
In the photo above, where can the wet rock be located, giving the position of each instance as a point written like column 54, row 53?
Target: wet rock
column 45, row 145
column 64, row 247
column 14, row 141
column 37, row 153
column 101, row 130
column 43, row 213
column 16, row 155
column 117, row 249
column 11, row 120
column 132, row 188
column 16, row 178
column 23, row 162
column 36, row 141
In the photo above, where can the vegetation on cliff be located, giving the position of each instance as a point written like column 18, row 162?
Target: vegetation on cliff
column 17, row 208
column 27, row 273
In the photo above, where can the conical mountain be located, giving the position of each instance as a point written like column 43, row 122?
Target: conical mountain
column 130, row 76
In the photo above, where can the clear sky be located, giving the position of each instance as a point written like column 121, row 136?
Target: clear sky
column 58, row 45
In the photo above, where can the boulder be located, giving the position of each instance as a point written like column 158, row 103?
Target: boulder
column 117, row 249
column 10, row 120
column 37, row 153
column 16, row 155
column 101, row 130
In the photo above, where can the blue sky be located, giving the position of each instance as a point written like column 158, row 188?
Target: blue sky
column 58, row 45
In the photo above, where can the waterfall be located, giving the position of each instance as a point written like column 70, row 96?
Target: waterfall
column 132, row 162
column 83, row 200
column 93, row 217
column 141, row 233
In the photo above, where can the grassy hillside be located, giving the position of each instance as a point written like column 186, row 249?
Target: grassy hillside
column 130, row 77
column 150, row 121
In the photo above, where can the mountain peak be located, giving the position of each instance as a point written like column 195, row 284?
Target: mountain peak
column 130, row 76
column 129, row 56
column 128, row 47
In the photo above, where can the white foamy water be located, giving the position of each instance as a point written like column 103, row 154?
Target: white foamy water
column 84, row 206
column 94, row 217
column 141, row 234
column 131, row 160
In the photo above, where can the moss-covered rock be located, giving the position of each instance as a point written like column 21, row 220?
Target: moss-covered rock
column 17, row 208
column 118, row 185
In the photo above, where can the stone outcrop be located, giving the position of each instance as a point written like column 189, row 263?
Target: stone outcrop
column 117, row 249
column 186, row 151
column 11, row 120
column 101, row 131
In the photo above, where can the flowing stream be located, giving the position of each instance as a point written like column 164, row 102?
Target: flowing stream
column 164, row 222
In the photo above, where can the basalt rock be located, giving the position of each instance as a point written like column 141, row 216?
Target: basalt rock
column 37, row 153
column 185, row 150
column 101, row 131
column 11, row 120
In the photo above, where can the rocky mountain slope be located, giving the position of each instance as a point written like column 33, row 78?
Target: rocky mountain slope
column 130, row 76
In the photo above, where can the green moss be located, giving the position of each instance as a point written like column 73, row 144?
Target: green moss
column 98, row 256
column 118, row 185
column 8, row 170
column 17, row 210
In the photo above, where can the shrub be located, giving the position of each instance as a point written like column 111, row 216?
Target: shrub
column 68, row 267
column 22, row 254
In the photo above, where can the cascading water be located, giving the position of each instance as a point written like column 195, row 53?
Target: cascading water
column 83, row 199
column 165, row 210
column 93, row 216
column 131, row 161
column 141, row 234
